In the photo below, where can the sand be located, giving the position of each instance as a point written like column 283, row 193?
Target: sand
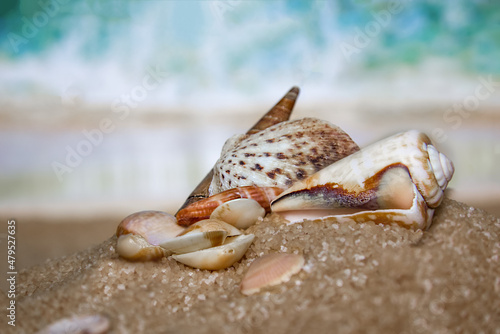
column 358, row 278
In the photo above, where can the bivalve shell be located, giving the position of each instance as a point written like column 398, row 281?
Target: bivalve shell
column 220, row 257
column 134, row 247
column 204, row 234
column 140, row 234
column 241, row 213
column 269, row 270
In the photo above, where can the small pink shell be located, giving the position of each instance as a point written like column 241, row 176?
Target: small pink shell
column 269, row 270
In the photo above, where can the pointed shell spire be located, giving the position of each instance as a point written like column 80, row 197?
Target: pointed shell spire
column 279, row 113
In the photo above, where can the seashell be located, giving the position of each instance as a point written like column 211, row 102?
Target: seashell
column 220, row 257
column 401, row 178
column 203, row 209
column 281, row 155
column 269, row 270
column 279, row 113
column 204, row 234
column 212, row 224
column 241, row 213
column 141, row 233
column 83, row 324
column 134, row 247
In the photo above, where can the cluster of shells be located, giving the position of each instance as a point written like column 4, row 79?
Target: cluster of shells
column 300, row 169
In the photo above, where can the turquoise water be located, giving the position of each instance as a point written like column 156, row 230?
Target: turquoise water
column 67, row 65
column 99, row 49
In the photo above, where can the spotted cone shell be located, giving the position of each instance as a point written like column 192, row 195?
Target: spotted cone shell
column 280, row 155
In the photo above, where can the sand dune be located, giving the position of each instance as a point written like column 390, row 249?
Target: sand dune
column 358, row 278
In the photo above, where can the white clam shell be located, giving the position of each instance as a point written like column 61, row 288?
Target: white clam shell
column 134, row 247
column 194, row 241
column 83, row 324
column 241, row 213
column 139, row 235
column 270, row 270
column 153, row 226
column 348, row 180
column 220, row 257
column 280, row 155
column 203, row 234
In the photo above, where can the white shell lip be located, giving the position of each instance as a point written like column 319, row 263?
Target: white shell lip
column 241, row 213
column 194, row 241
column 220, row 257
column 203, row 234
column 211, row 224
column 419, row 216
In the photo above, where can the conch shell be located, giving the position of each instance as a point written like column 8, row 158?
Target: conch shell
column 397, row 180
column 280, row 155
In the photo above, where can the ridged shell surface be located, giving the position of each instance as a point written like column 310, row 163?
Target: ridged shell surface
column 269, row 270
column 280, row 155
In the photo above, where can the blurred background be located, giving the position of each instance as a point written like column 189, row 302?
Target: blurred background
column 108, row 107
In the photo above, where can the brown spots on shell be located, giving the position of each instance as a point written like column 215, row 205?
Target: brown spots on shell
column 301, row 174
column 271, row 175
column 281, row 156
column 305, row 145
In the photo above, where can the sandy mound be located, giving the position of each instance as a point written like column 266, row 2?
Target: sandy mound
column 358, row 278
